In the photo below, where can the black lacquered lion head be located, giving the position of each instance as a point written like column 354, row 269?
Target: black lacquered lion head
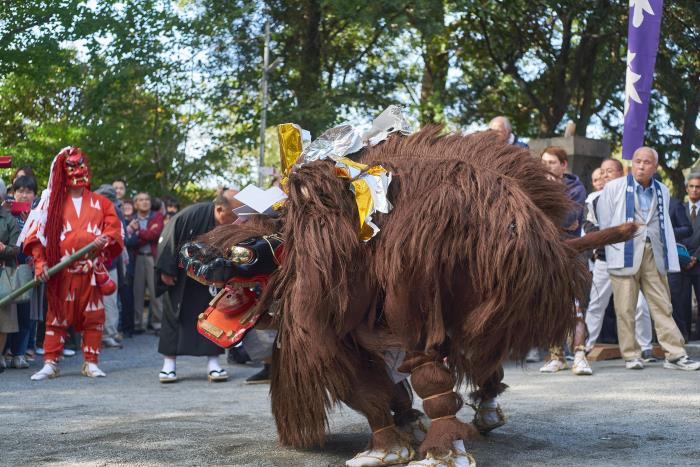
column 251, row 260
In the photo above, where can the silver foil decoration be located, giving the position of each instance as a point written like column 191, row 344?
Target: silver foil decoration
column 346, row 139
column 389, row 121
column 334, row 144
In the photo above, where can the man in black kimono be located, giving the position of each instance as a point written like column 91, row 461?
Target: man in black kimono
column 185, row 298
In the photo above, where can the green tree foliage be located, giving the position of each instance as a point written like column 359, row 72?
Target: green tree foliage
column 167, row 93
column 541, row 61
column 112, row 80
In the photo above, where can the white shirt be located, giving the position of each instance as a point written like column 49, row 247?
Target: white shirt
column 697, row 207
column 78, row 203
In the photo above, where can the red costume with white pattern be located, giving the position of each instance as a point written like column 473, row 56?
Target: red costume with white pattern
column 75, row 299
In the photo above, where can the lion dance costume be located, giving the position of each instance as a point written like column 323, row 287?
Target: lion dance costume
column 469, row 267
column 58, row 227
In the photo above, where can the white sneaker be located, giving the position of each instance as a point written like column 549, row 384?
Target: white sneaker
column 683, row 363
column 91, row 370
column 635, row 364
column 48, row 371
column 20, row 362
column 68, row 353
column 111, row 343
column 553, row 366
column 581, row 366
column 533, row 355
column 380, row 457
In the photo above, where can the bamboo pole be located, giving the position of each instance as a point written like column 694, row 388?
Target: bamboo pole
column 64, row 263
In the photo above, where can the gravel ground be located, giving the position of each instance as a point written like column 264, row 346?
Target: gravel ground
column 617, row 417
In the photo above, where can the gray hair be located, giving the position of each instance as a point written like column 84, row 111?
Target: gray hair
column 692, row 176
column 506, row 122
column 647, row 148
column 3, row 189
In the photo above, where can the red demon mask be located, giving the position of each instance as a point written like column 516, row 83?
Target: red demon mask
column 76, row 167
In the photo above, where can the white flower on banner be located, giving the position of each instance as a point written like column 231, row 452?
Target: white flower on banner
column 630, row 79
column 640, row 6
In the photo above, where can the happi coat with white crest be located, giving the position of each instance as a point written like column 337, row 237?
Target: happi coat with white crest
column 616, row 206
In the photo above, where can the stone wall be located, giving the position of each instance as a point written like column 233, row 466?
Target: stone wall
column 585, row 154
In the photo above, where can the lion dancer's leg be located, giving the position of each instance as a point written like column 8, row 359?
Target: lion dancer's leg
column 411, row 421
column 488, row 415
column 556, row 360
column 444, row 443
column 581, row 365
column 373, row 396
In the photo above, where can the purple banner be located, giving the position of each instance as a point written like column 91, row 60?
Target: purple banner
column 642, row 44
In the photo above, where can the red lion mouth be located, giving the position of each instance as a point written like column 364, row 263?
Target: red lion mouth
column 223, row 322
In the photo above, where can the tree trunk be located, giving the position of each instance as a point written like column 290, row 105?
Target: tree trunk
column 689, row 128
column 308, row 90
column 435, row 37
column 677, row 182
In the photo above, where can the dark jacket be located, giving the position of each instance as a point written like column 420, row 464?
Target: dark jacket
column 150, row 235
column 681, row 224
column 692, row 241
column 9, row 233
column 517, row 142
column 577, row 193
column 187, row 224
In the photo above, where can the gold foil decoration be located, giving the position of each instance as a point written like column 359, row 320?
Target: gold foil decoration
column 289, row 135
column 365, row 207
column 370, row 186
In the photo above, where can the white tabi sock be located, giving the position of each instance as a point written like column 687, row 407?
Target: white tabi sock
column 168, row 365
column 213, row 364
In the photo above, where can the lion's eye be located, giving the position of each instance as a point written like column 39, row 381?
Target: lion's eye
column 241, row 255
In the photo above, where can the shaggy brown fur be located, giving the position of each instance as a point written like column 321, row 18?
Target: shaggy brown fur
column 485, row 248
column 473, row 246
column 223, row 237
column 473, row 249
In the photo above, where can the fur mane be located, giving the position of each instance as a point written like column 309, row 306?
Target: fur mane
column 473, row 250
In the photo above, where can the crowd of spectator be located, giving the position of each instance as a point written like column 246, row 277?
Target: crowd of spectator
column 650, row 278
column 638, row 287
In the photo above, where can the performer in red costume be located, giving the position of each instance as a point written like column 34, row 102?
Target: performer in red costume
column 68, row 218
